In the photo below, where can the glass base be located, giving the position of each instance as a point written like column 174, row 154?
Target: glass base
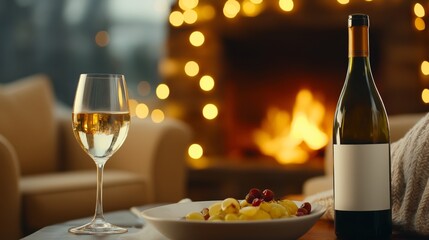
column 98, row 227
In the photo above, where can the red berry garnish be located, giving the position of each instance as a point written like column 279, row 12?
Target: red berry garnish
column 205, row 213
column 268, row 195
column 307, row 206
column 301, row 212
column 257, row 201
column 255, row 192
column 249, row 198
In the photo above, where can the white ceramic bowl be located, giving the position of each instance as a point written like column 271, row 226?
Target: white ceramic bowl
column 168, row 220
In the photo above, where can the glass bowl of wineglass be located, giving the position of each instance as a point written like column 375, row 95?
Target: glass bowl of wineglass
column 100, row 121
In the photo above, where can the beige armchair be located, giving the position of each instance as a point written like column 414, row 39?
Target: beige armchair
column 46, row 178
column 399, row 126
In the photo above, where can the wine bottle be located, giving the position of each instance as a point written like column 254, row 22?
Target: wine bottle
column 361, row 142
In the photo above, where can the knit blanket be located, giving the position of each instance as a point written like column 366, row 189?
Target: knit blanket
column 410, row 181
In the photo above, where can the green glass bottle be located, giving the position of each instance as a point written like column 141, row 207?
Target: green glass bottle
column 361, row 139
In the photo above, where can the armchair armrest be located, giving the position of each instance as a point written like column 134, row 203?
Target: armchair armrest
column 156, row 151
column 10, row 200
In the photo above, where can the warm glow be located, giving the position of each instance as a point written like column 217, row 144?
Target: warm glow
column 256, row 1
column 206, row 12
column 176, row 18
column 231, row 8
column 162, row 91
column 343, row 1
column 425, row 67
column 210, row 111
column 290, row 139
column 196, row 38
column 251, row 9
column 207, row 83
column 195, row 151
column 192, row 68
column 132, row 103
column 419, row 10
column 420, row 24
column 286, row 5
column 142, row 110
column 425, row 95
column 188, row 4
column 157, row 115
column 190, row 16
column 102, row 38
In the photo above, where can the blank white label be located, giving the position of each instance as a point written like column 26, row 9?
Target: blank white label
column 362, row 177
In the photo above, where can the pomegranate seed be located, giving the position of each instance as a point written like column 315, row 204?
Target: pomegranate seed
column 307, row 206
column 268, row 195
column 301, row 212
column 257, row 201
column 255, row 192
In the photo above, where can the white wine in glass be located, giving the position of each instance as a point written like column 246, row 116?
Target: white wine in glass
column 101, row 119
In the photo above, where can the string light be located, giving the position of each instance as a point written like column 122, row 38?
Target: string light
column 231, row 8
column 195, row 151
column 142, row 110
column 190, row 16
column 251, row 9
column 425, row 95
column 286, row 5
column 343, row 2
column 192, row 68
column 210, row 111
column 420, row 24
column 176, row 18
column 207, row 83
column 196, row 38
column 162, row 91
column 419, row 10
column 157, row 115
column 425, row 67
column 188, row 4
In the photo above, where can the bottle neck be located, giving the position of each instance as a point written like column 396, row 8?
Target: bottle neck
column 358, row 41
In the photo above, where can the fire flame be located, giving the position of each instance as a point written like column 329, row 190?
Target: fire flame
column 291, row 140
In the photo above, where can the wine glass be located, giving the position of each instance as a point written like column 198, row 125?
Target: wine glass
column 101, row 119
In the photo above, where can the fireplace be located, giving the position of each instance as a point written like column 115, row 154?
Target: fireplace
column 264, row 64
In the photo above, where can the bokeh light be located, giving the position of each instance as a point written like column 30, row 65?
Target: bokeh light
column 176, row 18
column 157, row 115
column 192, row 68
column 196, row 38
column 425, row 95
column 420, row 24
column 195, row 151
column 207, row 83
column 210, row 111
column 286, row 5
column 231, row 8
column 162, row 91
column 425, row 67
column 102, row 38
column 419, row 10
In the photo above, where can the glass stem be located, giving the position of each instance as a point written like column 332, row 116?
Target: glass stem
column 99, row 201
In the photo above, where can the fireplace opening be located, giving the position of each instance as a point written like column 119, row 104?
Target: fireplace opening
column 281, row 87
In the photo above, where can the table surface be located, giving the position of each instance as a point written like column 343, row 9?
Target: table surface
column 321, row 230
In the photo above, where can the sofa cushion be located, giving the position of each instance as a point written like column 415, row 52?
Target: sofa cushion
column 52, row 198
column 27, row 121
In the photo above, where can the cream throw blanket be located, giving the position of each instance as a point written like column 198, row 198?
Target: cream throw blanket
column 410, row 181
